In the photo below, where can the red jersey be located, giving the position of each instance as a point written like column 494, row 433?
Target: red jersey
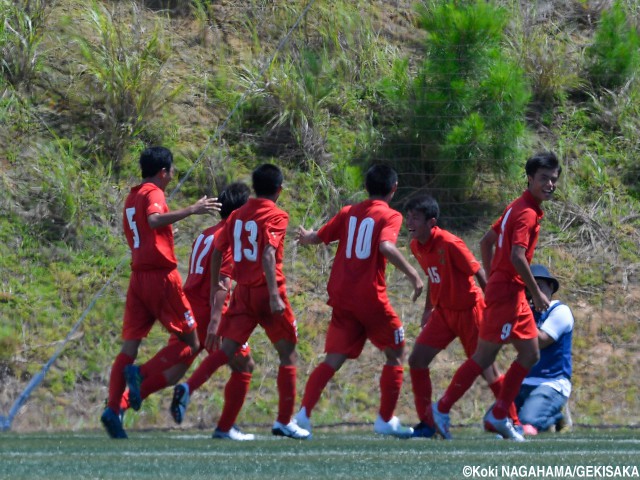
column 450, row 266
column 151, row 248
column 199, row 279
column 518, row 225
column 247, row 232
column 358, row 272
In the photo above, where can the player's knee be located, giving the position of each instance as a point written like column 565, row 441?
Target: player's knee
column 243, row 365
column 417, row 361
column 249, row 365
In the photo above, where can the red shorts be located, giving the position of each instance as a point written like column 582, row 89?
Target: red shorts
column 249, row 307
column 508, row 315
column 349, row 330
column 446, row 325
column 202, row 313
column 156, row 295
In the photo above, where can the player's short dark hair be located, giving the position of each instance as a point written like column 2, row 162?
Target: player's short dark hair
column 267, row 179
column 424, row 204
column 154, row 159
column 380, row 179
column 233, row 196
column 547, row 160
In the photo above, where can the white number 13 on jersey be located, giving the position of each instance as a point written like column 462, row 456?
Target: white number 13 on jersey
column 362, row 240
column 239, row 253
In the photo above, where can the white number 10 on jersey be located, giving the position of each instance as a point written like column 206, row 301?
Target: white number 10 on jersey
column 363, row 238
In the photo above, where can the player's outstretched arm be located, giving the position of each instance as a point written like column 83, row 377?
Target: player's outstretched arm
column 307, row 237
column 203, row 206
column 391, row 253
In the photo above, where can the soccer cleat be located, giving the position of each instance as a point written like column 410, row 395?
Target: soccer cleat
column 422, row 430
column 565, row 424
column 303, row 420
column 441, row 421
column 489, row 428
column 234, row 434
column 134, row 380
column 504, row 427
column 179, row 402
column 291, row 430
column 393, row 428
column 529, row 430
column 112, row 424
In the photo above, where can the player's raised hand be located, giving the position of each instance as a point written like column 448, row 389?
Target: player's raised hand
column 306, row 237
column 206, row 206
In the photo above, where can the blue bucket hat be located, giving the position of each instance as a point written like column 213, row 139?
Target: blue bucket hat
column 540, row 271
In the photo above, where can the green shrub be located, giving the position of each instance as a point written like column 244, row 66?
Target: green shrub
column 614, row 55
column 549, row 64
column 465, row 109
column 120, row 82
column 21, row 31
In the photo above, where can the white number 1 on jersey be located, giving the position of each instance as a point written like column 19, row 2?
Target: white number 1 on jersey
column 363, row 240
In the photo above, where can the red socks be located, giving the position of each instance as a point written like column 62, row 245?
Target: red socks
column 495, row 388
column 234, row 394
column 286, row 392
column 460, row 383
column 169, row 356
column 315, row 386
column 117, row 382
column 390, row 384
column 510, row 388
column 209, row 365
column 152, row 384
column 421, row 386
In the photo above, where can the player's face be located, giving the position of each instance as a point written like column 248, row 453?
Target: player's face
column 543, row 184
column 419, row 227
column 168, row 176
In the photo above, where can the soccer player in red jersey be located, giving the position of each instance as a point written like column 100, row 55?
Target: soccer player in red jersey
column 453, row 307
column 508, row 247
column 158, row 373
column 155, row 287
column 255, row 235
column 366, row 235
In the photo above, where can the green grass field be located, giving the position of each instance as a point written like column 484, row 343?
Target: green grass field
column 333, row 453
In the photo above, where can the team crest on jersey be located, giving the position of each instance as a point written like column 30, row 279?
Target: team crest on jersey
column 188, row 316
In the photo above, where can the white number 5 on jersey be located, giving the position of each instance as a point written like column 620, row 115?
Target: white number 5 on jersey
column 130, row 212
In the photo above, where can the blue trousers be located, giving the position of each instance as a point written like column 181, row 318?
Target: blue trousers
column 539, row 406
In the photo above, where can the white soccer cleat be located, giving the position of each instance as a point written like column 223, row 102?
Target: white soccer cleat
column 393, row 428
column 442, row 422
column 303, row 420
column 504, row 427
column 234, row 434
column 290, row 430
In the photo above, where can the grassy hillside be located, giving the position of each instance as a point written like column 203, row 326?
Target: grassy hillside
column 453, row 98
